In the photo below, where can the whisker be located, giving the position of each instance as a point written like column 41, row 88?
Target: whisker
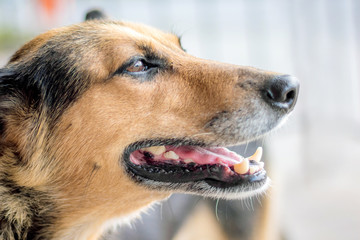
column 171, row 209
column 262, row 141
column 246, row 147
column 216, row 209
column 258, row 200
column 161, row 211
column 201, row 134
column 252, row 203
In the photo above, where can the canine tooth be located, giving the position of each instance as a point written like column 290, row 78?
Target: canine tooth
column 253, row 169
column 261, row 164
column 257, row 155
column 188, row 160
column 171, row 155
column 156, row 150
column 243, row 167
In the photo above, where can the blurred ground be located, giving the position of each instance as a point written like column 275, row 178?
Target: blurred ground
column 315, row 157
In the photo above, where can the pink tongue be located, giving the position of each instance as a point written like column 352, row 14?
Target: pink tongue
column 214, row 155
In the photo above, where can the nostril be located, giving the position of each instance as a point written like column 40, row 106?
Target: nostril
column 277, row 91
column 269, row 95
column 290, row 96
column 281, row 92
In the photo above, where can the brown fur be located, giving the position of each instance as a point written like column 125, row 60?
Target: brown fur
column 60, row 176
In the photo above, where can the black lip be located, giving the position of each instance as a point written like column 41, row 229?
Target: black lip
column 159, row 142
column 169, row 173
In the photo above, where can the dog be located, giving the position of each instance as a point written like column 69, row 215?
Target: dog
column 101, row 119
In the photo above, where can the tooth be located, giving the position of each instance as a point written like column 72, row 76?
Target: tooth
column 156, row 150
column 261, row 164
column 188, row 160
column 253, row 169
column 257, row 155
column 243, row 167
column 171, row 155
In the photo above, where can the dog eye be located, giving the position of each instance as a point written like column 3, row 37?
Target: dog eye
column 138, row 66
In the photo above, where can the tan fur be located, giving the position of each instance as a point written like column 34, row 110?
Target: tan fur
column 83, row 178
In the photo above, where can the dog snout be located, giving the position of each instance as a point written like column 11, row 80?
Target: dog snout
column 281, row 92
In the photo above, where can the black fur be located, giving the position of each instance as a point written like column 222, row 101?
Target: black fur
column 48, row 81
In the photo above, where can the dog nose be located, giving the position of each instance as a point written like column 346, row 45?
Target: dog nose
column 281, row 92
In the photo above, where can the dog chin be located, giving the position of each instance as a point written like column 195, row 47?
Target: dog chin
column 202, row 188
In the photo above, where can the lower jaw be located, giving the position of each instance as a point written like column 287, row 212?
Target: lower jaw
column 214, row 174
column 207, row 188
column 247, row 187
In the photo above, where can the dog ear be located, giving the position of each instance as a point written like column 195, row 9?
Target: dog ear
column 9, row 85
column 14, row 85
column 6, row 78
column 4, row 73
column 95, row 14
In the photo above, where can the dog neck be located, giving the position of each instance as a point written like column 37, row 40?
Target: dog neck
column 25, row 212
column 30, row 212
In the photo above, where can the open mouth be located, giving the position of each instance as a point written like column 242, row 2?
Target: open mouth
column 189, row 163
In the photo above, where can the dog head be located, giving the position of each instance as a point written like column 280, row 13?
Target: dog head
column 106, row 117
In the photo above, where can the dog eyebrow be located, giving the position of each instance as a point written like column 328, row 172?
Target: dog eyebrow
column 150, row 53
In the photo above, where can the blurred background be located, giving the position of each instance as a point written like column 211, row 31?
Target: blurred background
column 314, row 160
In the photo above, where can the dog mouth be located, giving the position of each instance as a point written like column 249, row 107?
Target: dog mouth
column 190, row 163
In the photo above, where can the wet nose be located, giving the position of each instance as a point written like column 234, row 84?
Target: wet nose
column 281, row 92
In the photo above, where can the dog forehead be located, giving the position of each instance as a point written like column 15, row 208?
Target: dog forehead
column 92, row 35
column 152, row 32
column 127, row 33
column 129, row 36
